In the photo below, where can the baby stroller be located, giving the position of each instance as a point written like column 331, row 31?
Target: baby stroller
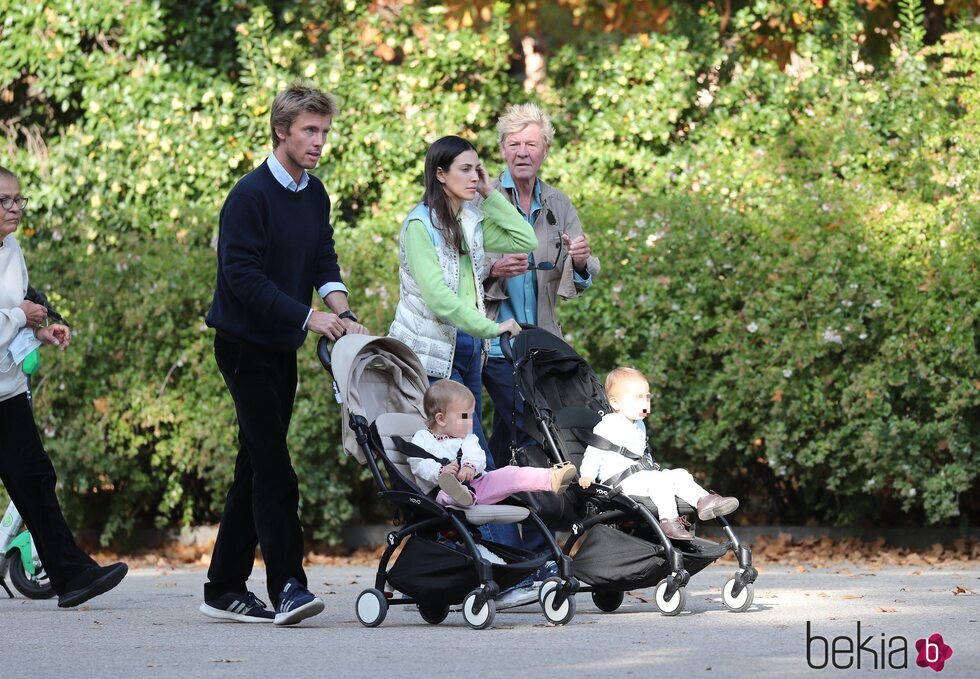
column 621, row 543
column 444, row 562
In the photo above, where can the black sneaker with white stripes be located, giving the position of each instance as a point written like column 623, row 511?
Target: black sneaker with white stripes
column 240, row 607
column 296, row 603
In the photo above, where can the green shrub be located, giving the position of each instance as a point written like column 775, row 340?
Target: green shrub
column 789, row 253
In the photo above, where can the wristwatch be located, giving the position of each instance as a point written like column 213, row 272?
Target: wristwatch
column 348, row 314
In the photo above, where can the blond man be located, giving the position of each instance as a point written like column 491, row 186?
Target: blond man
column 275, row 247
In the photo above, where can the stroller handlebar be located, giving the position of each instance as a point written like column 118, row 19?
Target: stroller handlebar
column 323, row 353
column 505, row 339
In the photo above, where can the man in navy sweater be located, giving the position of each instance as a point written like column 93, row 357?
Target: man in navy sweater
column 275, row 246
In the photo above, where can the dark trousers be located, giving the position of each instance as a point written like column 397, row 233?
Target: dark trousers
column 262, row 507
column 498, row 378
column 28, row 476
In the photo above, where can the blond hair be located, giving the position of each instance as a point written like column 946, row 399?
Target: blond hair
column 299, row 97
column 519, row 116
column 619, row 377
column 441, row 395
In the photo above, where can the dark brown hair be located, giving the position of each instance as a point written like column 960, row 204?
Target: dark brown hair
column 441, row 154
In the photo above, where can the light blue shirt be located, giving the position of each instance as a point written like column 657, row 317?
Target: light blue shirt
column 288, row 183
column 522, row 291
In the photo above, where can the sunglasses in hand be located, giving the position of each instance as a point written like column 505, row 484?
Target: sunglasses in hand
column 548, row 266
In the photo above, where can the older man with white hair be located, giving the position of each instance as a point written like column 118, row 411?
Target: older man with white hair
column 526, row 287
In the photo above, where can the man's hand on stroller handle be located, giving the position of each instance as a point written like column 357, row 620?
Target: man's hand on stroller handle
column 333, row 327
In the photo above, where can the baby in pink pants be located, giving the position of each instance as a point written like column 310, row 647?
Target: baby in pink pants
column 463, row 482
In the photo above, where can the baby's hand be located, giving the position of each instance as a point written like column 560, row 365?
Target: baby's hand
column 585, row 481
column 451, row 468
column 466, row 473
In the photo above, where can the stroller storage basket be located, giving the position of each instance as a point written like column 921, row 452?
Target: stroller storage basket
column 439, row 574
column 611, row 559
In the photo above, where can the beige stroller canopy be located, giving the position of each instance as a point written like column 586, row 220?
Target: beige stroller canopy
column 376, row 375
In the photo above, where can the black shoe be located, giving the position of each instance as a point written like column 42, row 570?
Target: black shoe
column 92, row 582
column 296, row 603
column 239, row 607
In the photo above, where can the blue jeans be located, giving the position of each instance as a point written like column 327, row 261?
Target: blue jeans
column 467, row 370
column 498, row 378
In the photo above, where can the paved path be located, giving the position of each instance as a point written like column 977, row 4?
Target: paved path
column 150, row 627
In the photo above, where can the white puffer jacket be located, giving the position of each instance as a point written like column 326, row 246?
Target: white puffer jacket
column 433, row 340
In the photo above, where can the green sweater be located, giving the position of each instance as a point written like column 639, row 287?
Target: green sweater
column 504, row 230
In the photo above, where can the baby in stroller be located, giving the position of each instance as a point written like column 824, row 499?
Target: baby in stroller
column 617, row 456
column 456, row 461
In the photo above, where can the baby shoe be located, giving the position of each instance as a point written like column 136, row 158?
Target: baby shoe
column 713, row 505
column 676, row 529
column 451, row 486
column 561, row 476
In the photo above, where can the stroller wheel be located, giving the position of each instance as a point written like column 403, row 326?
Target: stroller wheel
column 738, row 603
column 556, row 614
column 607, row 600
column 675, row 604
column 433, row 614
column 481, row 618
column 371, row 607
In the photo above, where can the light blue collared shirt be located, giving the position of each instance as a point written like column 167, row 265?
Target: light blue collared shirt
column 284, row 178
column 288, row 183
column 522, row 291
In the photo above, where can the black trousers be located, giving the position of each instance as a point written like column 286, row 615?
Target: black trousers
column 28, row 476
column 262, row 507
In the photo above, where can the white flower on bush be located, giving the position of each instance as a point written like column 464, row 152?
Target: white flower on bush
column 831, row 335
column 641, row 222
column 697, row 317
column 876, row 303
column 846, row 303
column 863, row 336
column 870, row 483
column 654, row 237
column 911, row 492
column 620, row 333
column 618, row 288
column 752, row 327
column 788, row 373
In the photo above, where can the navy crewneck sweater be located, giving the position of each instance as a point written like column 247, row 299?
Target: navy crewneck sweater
column 275, row 246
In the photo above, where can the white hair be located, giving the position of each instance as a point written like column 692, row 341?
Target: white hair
column 519, row 116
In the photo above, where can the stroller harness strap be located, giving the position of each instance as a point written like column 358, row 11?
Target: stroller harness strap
column 643, row 461
column 409, row 449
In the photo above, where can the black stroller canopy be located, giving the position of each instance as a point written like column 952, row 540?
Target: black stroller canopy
column 552, row 376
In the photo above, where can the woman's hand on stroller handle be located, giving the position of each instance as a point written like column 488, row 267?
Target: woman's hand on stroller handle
column 506, row 337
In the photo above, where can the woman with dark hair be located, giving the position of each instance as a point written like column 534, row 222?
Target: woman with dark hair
column 25, row 468
column 440, row 312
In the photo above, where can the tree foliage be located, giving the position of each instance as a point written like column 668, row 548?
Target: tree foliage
column 787, row 221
